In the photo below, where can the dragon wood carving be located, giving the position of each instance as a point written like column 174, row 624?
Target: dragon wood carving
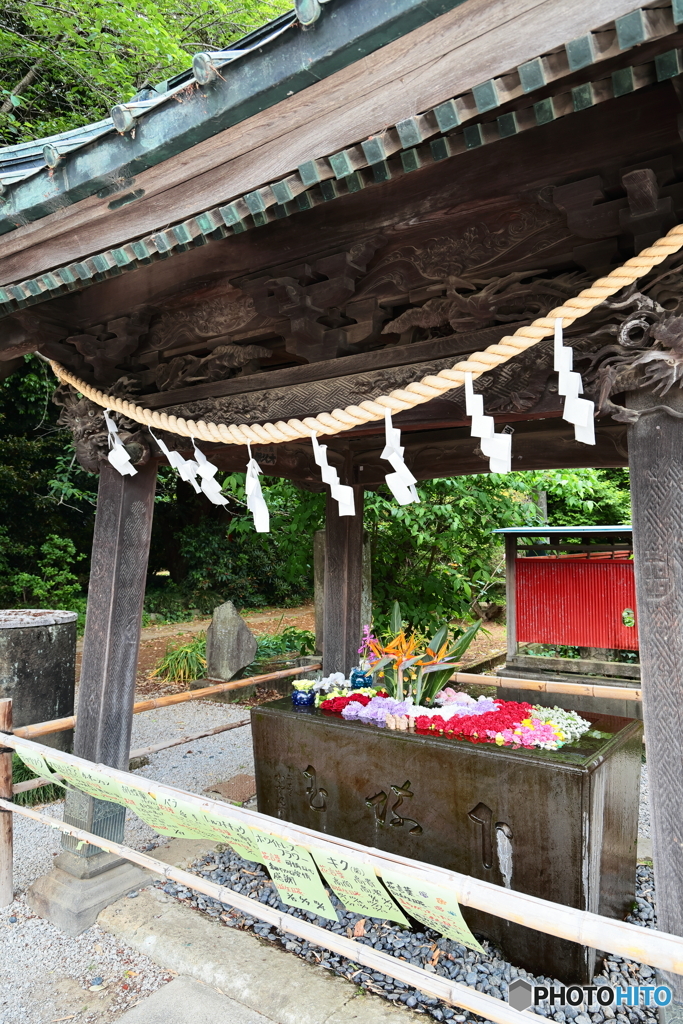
column 467, row 307
column 85, row 420
column 647, row 347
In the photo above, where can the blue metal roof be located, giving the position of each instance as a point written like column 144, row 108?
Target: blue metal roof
column 26, row 158
column 274, row 62
column 555, row 531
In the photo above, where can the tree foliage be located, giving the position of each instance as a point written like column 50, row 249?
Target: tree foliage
column 65, row 63
column 47, row 503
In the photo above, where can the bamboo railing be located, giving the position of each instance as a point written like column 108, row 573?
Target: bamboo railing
column 31, row 732
column 655, row 948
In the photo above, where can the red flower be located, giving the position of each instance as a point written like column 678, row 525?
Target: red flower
column 337, row 704
column 475, row 728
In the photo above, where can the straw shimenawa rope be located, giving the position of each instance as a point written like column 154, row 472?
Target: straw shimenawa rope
column 413, row 394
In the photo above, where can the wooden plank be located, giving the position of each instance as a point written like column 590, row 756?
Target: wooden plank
column 6, row 825
column 343, row 583
column 511, row 593
column 579, row 666
column 656, row 465
column 24, row 787
column 123, row 526
column 471, row 44
column 31, row 732
column 447, row 198
column 392, row 355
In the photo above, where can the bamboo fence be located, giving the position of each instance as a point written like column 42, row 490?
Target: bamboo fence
column 30, row 732
column 657, row 949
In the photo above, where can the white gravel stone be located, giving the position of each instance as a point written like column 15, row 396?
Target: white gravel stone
column 42, row 971
column 46, row 975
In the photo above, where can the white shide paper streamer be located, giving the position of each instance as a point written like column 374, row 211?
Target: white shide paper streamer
column 578, row 411
column 496, row 447
column 401, row 482
column 198, row 472
column 118, row 456
column 187, row 469
column 207, row 474
column 342, row 493
column 255, row 501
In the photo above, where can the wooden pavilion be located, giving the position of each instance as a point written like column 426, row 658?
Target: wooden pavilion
column 357, row 198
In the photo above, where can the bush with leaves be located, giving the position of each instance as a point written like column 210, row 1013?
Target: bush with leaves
column 583, row 497
column 440, row 556
column 47, row 503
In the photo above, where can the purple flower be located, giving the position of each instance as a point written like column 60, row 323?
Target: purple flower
column 376, row 711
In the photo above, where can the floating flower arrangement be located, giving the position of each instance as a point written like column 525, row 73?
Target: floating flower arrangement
column 505, row 723
column 400, row 686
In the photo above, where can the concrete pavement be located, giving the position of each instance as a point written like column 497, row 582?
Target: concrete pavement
column 249, row 975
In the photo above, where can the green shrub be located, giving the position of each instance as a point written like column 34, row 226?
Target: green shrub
column 289, row 641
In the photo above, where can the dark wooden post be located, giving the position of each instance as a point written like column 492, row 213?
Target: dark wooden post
column 655, row 446
column 511, row 592
column 6, row 824
column 118, row 572
column 343, row 585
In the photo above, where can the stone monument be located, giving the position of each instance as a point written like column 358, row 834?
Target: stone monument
column 230, row 647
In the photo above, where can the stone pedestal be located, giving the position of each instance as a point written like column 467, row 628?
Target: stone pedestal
column 561, row 825
column 38, row 667
column 72, row 895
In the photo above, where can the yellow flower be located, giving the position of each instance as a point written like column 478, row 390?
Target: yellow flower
column 500, row 741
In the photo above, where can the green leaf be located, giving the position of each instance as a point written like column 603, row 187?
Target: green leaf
column 396, row 621
column 437, row 641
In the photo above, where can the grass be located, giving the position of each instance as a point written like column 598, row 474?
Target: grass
column 183, row 663
column 44, row 795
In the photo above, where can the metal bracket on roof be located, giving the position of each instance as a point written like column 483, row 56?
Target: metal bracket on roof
column 51, row 155
column 124, row 115
column 307, row 12
column 205, row 65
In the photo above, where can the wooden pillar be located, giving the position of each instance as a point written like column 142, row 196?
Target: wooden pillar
column 510, row 592
column 123, row 527
column 655, row 446
column 6, row 846
column 343, row 585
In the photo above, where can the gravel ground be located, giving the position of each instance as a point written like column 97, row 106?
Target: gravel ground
column 489, row 973
column 44, row 974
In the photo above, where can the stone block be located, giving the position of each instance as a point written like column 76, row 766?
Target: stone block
column 38, row 667
column 560, row 825
column 238, row 790
column 73, row 903
column 230, row 644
